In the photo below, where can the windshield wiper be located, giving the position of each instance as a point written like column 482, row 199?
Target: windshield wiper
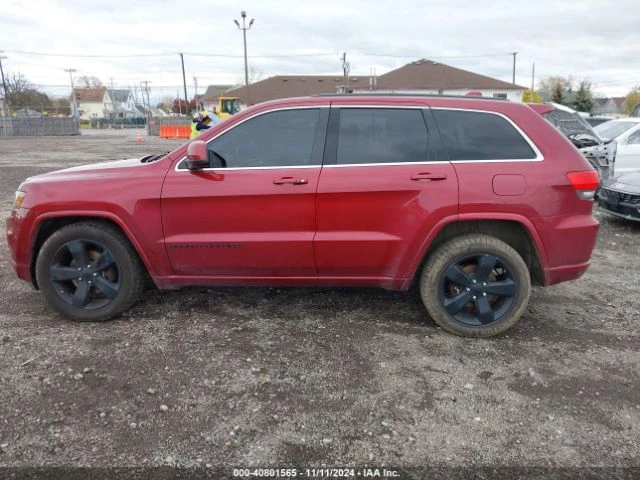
column 153, row 158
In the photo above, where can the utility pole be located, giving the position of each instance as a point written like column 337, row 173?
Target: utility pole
column 148, row 107
column 74, row 109
column 514, row 67
column 184, row 83
column 146, row 90
column 4, row 85
column 533, row 75
column 346, row 69
column 195, row 95
column 244, row 29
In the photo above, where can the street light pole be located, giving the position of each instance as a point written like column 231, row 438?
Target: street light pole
column 244, row 29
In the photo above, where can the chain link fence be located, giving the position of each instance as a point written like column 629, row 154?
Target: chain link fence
column 35, row 126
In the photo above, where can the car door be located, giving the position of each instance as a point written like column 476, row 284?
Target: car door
column 252, row 212
column 384, row 185
column 628, row 152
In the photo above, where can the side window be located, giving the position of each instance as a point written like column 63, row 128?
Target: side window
column 480, row 136
column 275, row 139
column 384, row 135
column 634, row 138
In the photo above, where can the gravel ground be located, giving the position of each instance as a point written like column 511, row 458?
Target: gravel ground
column 236, row 377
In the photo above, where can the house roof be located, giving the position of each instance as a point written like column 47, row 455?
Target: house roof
column 426, row 74
column 90, row 94
column 27, row 112
column 619, row 100
column 283, row 86
column 419, row 75
column 214, row 91
column 119, row 94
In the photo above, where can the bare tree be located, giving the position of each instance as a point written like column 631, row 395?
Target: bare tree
column 86, row 81
column 22, row 93
column 255, row 75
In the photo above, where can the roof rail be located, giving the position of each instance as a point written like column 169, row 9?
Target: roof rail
column 399, row 94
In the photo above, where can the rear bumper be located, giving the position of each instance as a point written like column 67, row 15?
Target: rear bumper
column 568, row 241
column 565, row 273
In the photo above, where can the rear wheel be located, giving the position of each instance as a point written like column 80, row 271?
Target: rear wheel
column 475, row 286
column 89, row 271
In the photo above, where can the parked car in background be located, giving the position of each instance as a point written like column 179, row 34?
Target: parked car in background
column 473, row 199
column 626, row 133
column 599, row 152
column 621, row 196
column 594, row 121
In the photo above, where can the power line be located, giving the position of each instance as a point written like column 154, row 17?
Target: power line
column 166, row 54
column 224, row 55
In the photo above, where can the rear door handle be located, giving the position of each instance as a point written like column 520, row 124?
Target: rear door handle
column 429, row 176
column 290, row 181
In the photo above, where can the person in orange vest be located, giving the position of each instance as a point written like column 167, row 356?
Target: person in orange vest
column 201, row 122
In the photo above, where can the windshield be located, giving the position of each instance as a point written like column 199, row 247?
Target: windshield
column 613, row 129
column 230, row 106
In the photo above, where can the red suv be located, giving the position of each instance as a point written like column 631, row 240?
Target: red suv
column 473, row 199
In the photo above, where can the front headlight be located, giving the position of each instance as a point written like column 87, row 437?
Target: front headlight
column 19, row 199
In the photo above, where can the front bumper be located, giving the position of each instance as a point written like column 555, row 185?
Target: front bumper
column 619, row 204
column 19, row 247
column 620, row 211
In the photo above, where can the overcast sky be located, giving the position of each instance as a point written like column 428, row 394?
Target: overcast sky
column 594, row 39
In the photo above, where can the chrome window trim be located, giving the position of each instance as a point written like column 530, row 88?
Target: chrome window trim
column 298, row 107
column 390, row 164
column 539, row 157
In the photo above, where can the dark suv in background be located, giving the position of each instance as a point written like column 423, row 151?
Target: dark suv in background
column 472, row 199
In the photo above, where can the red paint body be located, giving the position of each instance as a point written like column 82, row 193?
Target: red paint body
column 342, row 225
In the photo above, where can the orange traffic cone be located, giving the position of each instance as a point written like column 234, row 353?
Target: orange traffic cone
column 139, row 138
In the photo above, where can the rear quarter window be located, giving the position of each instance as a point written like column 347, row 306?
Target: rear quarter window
column 481, row 136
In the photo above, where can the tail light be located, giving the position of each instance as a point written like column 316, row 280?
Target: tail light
column 585, row 183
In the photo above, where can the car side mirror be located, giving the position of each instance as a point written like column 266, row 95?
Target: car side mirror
column 197, row 155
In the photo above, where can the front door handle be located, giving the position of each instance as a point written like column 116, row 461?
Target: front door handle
column 429, row 176
column 290, row 181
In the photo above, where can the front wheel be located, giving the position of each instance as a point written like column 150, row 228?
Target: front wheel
column 475, row 286
column 89, row 271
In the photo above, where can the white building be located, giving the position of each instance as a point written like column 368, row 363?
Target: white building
column 92, row 102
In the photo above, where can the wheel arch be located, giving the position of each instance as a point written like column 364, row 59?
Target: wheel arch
column 46, row 225
column 517, row 233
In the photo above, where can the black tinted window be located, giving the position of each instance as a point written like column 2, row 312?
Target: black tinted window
column 283, row 138
column 370, row 135
column 480, row 136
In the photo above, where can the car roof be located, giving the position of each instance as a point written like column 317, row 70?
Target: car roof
column 627, row 119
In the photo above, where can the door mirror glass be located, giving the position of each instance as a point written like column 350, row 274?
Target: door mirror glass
column 197, row 155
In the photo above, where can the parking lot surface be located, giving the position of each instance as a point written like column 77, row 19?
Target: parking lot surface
column 234, row 377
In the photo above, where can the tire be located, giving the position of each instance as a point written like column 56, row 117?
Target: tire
column 475, row 286
column 89, row 272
